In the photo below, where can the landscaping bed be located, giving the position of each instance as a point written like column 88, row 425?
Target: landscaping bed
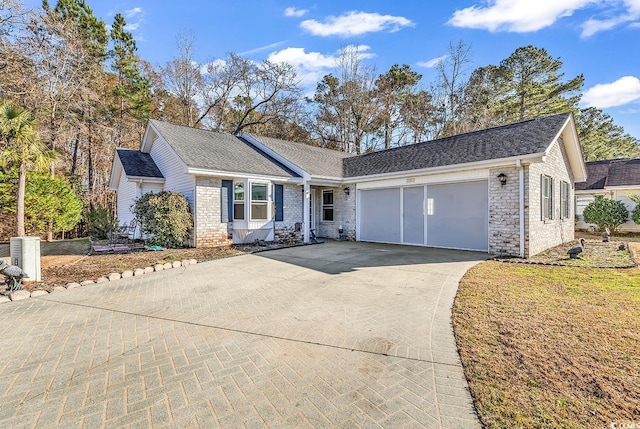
column 68, row 261
column 597, row 254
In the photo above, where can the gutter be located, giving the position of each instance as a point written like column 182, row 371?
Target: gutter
column 215, row 173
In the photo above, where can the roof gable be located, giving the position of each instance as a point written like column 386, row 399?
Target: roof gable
column 316, row 161
column 220, row 152
column 514, row 140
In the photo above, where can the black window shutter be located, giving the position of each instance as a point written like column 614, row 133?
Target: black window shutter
column 279, row 201
column 226, row 201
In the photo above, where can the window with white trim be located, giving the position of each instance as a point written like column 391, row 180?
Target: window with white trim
column 238, row 201
column 546, row 191
column 259, row 201
column 327, row 206
column 564, row 200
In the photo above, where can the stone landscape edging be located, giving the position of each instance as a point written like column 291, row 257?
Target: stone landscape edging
column 19, row 295
column 15, row 296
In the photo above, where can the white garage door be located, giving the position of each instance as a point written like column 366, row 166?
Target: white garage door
column 450, row 215
column 458, row 215
column 380, row 215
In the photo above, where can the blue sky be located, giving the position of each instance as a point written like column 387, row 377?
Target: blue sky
column 599, row 38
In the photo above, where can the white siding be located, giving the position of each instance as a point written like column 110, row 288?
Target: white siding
column 127, row 193
column 173, row 170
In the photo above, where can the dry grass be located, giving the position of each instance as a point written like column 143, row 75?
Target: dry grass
column 550, row 346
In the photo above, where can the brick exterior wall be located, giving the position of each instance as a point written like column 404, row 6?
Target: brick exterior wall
column 504, row 227
column 504, row 210
column 344, row 213
column 292, row 211
column 543, row 234
column 210, row 231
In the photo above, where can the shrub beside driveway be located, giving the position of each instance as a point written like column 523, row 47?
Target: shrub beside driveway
column 550, row 346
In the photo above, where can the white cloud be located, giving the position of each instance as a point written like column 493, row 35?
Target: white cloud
column 522, row 16
column 518, row 16
column 355, row 23
column 133, row 26
column 263, row 48
column 433, row 61
column 132, row 12
column 312, row 66
column 129, row 14
column 631, row 13
column 623, row 91
column 215, row 64
column 361, row 50
column 292, row 11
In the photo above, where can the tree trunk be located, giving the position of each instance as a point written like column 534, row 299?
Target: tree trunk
column 387, row 135
column 49, row 231
column 74, row 159
column 22, row 186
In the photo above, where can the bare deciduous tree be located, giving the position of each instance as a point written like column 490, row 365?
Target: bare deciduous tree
column 449, row 86
column 183, row 78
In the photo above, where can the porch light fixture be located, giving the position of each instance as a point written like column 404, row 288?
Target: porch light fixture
column 347, row 190
column 502, row 178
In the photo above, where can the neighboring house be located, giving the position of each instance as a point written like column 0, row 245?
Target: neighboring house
column 505, row 190
column 612, row 178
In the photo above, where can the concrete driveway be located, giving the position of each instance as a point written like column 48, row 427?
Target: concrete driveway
column 330, row 335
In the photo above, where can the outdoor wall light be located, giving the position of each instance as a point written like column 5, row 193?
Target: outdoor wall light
column 347, row 190
column 502, row 178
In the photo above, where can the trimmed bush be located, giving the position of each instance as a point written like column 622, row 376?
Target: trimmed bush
column 165, row 217
column 606, row 213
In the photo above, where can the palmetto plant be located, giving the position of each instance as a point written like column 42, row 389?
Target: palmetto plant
column 21, row 148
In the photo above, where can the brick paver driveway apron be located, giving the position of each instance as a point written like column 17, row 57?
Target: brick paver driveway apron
column 329, row 335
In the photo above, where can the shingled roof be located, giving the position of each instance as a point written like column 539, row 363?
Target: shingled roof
column 519, row 139
column 316, row 161
column 210, row 150
column 611, row 172
column 138, row 164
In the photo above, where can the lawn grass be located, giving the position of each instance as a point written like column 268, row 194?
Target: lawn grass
column 550, row 346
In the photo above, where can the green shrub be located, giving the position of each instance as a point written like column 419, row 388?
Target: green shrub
column 50, row 202
column 101, row 222
column 635, row 213
column 606, row 213
column 166, row 217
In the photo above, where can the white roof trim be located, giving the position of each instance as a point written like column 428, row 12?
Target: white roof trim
column 236, row 174
column 622, row 187
column 574, row 151
column 116, row 166
column 146, row 179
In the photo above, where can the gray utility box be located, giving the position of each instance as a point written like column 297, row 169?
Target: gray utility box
column 25, row 253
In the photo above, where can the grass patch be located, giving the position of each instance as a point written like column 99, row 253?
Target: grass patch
column 550, row 346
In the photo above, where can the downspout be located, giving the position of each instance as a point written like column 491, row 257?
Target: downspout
column 307, row 205
column 521, row 204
